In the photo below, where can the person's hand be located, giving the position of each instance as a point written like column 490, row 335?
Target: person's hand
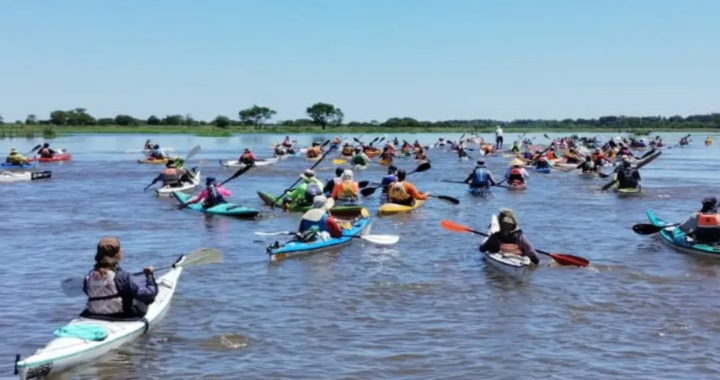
column 148, row 271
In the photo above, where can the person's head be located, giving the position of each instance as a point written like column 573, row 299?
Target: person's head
column 316, row 144
column 156, row 146
column 46, row 145
column 347, row 175
column 109, row 252
column 247, row 150
column 626, row 162
column 210, row 181
column 542, row 159
column 339, row 171
column 480, row 164
column 358, row 149
column 307, row 175
column 709, row 205
column 13, row 151
column 507, row 220
column 401, row 175
column 321, row 202
column 171, row 164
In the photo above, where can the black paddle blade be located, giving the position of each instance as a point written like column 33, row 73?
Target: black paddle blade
column 363, row 184
column 238, row 173
column 646, row 229
column 648, row 153
column 447, row 199
column 422, row 167
column 368, row 191
column 609, row 185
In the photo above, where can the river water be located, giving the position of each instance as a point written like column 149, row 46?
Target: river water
column 427, row 308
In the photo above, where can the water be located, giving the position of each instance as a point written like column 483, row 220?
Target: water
column 427, row 308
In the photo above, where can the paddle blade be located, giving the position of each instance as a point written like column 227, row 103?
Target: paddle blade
column 447, row 199
column 200, row 256
column 363, row 184
column 193, row 152
column 273, row 233
column 380, row 239
column 422, row 167
column 454, row 227
column 339, row 161
column 609, row 185
column 646, row 229
column 368, row 191
column 238, row 173
column 569, row 260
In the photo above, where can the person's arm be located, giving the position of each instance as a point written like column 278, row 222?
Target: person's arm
column 491, row 244
column 410, row 188
column 469, row 177
column 491, row 178
column 528, row 249
column 690, row 225
column 333, row 228
column 636, row 175
column 203, row 194
column 335, row 192
column 143, row 291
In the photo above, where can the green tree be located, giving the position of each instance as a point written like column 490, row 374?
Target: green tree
column 2, row 121
column 221, row 121
column 125, row 120
column 105, row 121
column 188, row 120
column 323, row 114
column 256, row 116
column 79, row 116
column 153, row 120
column 31, row 119
column 173, row 120
column 58, row 117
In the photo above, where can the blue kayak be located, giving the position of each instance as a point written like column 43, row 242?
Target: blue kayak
column 7, row 166
column 545, row 170
column 227, row 209
column 295, row 248
column 679, row 240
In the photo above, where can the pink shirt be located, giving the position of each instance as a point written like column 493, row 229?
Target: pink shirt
column 203, row 194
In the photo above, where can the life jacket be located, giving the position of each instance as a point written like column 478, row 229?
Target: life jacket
column 480, row 177
column 708, row 220
column 398, row 194
column 312, row 152
column 550, row 155
column 213, row 198
column 527, row 155
column 514, row 148
column 314, row 220
column 510, row 244
column 311, row 191
column 488, row 148
column 103, row 295
column 516, row 176
column 45, row 152
column 347, row 151
column 358, row 160
column 626, row 179
column 247, row 158
column 708, row 227
column 170, row 176
column 347, row 191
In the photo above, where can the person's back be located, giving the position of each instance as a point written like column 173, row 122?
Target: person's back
column 480, row 179
column 704, row 225
column 171, row 176
column 318, row 220
column 214, row 196
column 628, row 178
column 515, row 175
column 359, row 159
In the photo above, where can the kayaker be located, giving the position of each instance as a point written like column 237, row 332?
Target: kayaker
column 441, row 142
column 46, row 152
column 331, row 183
column 625, row 151
column 704, row 225
column 510, row 240
column 420, row 155
column 628, row 177
column 572, row 157
column 387, row 154
column 306, row 191
column 247, row 158
column 148, row 145
column 347, row 150
column 16, row 158
column 542, row 163
column 360, row 158
column 480, row 177
column 588, row 166
column 287, row 142
column 598, row 158
column 515, row 148
column 498, row 138
column 172, row 176
column 488, row 149
column 317, row 219
column 389, row 178
column 113, row 293
column 157, row 153
column 279, row 150
column 516, row 174
column 461, row 151
column 336, row 141
column 314, row 152
column 684, row 141
column 213, row 194
column 404, row 193
column 179, row 162
column 348, row 189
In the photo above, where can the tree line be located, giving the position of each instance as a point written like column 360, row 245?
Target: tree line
column 327, row 115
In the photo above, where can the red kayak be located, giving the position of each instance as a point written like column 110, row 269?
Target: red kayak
column 515, row 186
column 54, row 158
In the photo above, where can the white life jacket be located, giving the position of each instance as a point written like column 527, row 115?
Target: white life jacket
column 103, row 296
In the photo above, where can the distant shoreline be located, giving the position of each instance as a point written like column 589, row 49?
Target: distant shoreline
column 10, row 130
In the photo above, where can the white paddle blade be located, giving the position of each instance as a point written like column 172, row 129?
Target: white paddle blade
column 73, row 286
column 201, row 256
column 381, row 239
column 273, row 233
column 193, row 152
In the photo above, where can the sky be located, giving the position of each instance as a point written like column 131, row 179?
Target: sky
column 375, row 59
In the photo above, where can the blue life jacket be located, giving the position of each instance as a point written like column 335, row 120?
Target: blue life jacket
column 480, row 177
column 387, row 180
column 321, row 225
column 527, row 155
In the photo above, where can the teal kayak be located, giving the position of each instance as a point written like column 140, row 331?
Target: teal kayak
column 228, row 209
column 345, row 210
column 679, row 240
column 296, row 248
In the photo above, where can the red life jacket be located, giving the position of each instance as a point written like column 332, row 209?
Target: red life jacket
column 708, row 220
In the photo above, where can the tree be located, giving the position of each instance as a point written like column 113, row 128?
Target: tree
column 256, row 115
column 153, row 120
column 188, row 120
column 2, row 121
column 105, row 121
column 221, row 121
column 31, row 119
column 173, row 120
column 58, row 117
column 79, row 116
column 323, row 114
column 125, row 120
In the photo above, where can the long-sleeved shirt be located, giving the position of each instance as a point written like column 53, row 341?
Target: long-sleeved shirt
column 204, row 194
column 492, row 244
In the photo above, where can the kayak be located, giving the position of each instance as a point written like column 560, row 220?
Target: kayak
column 340, row 209
column 8, row 166
column 514, row 266
column 565, row 166
column 394, row 208
column 360, row 167
column 464, row 158
column 227, row 209
column 235, row 164
column 373, row 153
column 517, row 186
column 55, row 158
column 545, row 170
column 588, row 175
column 313, row 159
column 626, row 191
column 480, row 192
column 69, row 351
column 675, row 237
column 152, row 161
column 295, row 248
column 167, row 191
column 386, row 163
column 23, row 176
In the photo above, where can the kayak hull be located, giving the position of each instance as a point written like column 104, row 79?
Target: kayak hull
column 340, row 210
column 513, row 266
column 546, row 170
column 394, row 208
column 6, row 177
column 677, row 239
column 152, row 161
column 517, row 186
column 478, row 192
column 294, row 248
column 235, row 164
column 226, row 209
column 31, row 165
column 167, row 191
column 359, row 167
column 56, row 158
column 67, row 352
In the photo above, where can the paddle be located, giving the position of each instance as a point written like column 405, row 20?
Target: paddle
column 238, row 173
column 311, row 168
column 363, row 184
column 375, row 239
column 190, row 154
column 38, row 146
column 649, row 229
column 562, row 259
column 73, row 286
column 366, row 192
column 445, row 198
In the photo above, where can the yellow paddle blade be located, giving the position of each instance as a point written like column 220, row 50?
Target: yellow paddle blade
column 339, row 161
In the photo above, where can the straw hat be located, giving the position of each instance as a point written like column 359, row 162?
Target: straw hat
column 517, row 162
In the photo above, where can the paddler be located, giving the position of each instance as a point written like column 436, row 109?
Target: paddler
column 171, row 176
column 318, row 221
column 488, row 149
column 406, row 148
column 360, row 158
column 461, row 151
column 387, row 154
column 572, row 157
column 279, row 150
column 336, row 141
column 287, row 143
column 113, row 293
column 247, row 158
column 420, row 155
column 332, row 182
column 480, row 177
column 515, row 148
column 348, row 189
column 389, row 178
column 598, row 158
column 46, row 152
column 510, row 240
column 179, row 162
column 684, row 141
column 213, row 194
column 157, row 153
column 315, row 151
column 516, row 174
column 441, row 141
column 404, row 193
column 347, row 150
column 703, row 226
column 588, row 166
column 498, row 138
column 16, row 158
column 542, row 163
column 306, row 191
column 148, row 145
column 628, row 177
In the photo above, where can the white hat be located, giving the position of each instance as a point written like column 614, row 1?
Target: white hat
column 347, row 175
column 321, row 202
column 517, row 162
column 307, row 174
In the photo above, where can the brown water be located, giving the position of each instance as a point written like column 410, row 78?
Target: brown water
column 427, row 308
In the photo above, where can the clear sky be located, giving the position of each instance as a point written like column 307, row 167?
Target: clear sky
column 427, row 59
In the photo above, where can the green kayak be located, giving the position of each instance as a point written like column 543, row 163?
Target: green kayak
column 340, row 209
column 227, row 209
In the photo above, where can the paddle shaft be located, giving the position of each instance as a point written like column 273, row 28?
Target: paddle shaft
column 486, row 235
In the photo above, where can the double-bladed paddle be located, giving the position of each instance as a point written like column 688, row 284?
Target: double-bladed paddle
column 73, row 286
column 649, row 229
column 375, row 239
column 38, row 146
column 562, row 259
column 311, row 168
column 371, row 190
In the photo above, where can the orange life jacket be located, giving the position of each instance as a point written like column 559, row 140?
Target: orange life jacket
column 708, row 220
column 511, row 248
column 398, row 193
column 347, row 190
column 550, row 155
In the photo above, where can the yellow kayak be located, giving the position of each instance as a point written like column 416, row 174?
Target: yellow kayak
column 152, row 161
column 383, row 162
column 393, row 208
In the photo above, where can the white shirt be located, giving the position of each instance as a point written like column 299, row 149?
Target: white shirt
column 498, row 132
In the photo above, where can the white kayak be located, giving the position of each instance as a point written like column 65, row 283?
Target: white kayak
column 147, row 151
column 511, row 265
column 235, row 164
column 24, row 176
column 166, row 191
column 66, row 352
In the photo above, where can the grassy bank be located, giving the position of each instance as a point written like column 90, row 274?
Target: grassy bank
column 31, row 131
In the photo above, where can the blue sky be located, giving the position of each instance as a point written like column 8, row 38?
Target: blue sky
column 431, row 60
